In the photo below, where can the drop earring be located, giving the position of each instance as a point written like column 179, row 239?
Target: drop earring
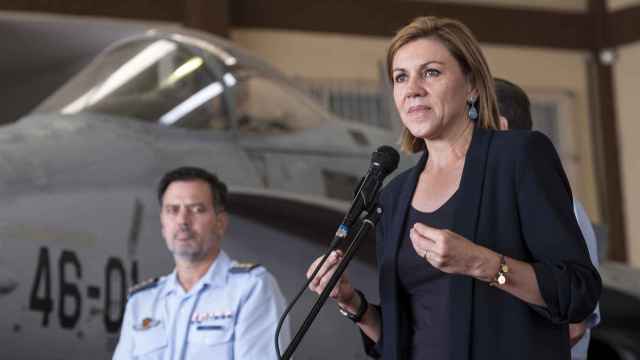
column 473, row 111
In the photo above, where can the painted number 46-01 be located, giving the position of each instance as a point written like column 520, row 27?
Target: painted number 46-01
column 71, row 294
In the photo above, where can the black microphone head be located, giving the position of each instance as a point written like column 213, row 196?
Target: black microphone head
column 386, row 158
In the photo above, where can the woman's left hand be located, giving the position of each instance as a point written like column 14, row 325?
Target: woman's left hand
column 450, row 252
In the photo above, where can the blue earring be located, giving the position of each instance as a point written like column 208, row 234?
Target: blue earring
column 473, row 112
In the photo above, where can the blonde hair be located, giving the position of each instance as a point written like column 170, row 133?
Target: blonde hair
column 463, row 46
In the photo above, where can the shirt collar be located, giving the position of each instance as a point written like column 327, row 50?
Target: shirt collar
column 214, row 277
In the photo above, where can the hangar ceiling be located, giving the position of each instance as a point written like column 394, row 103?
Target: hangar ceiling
column 559, row 24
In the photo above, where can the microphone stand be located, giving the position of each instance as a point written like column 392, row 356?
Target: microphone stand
column 369, row 222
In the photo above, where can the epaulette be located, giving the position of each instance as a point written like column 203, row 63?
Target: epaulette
column 243, row 267
column 147, row 284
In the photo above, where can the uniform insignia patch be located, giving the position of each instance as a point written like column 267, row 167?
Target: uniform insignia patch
column 212, row 315
column 147, row 284
column 209, row 327
column 243, row 267
column 146, row 324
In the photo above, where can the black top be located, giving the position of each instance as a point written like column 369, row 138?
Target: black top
column 514, row 199
column 426, row 288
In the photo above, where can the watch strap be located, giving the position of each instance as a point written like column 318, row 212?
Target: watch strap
column 357, row 317
column 501, row 276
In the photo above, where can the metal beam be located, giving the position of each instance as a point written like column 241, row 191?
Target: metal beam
column 491, row 24
column 605, row 134
column 497, row 25
column 360, row 17
column 207, row 15
column 624, row 26
column 160, row 10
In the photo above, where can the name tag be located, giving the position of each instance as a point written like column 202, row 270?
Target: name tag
column 209, row 327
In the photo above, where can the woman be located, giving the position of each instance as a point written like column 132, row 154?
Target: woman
column 512, row 270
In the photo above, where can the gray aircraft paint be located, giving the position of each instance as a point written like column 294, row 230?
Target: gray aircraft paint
column 77, row 191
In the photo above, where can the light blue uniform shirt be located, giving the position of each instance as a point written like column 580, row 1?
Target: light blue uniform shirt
column 579, row 350
column 226, row 315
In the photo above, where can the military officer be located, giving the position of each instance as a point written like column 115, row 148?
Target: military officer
column 209, row 306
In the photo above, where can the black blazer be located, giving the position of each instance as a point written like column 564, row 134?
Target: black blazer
column 514, row 198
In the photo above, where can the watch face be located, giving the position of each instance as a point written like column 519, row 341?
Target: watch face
column 502, row 279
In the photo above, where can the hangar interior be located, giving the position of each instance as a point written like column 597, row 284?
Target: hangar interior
column 575, row 58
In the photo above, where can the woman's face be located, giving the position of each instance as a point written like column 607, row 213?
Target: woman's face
column 429, row 89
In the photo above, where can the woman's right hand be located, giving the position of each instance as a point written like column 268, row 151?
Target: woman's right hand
column 343, row 292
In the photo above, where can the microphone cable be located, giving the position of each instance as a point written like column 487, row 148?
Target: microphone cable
column 297, row 297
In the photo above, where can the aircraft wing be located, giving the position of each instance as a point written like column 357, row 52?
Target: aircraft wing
column 312, row 218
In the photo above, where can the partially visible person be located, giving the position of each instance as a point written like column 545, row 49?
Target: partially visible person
column 515, row 114
column 209, row 307
column 479, row 254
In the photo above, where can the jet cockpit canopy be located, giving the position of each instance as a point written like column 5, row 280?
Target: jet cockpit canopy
column 179, row 80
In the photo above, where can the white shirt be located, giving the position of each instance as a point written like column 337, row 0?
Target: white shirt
column 229, row 314
column 579, row 350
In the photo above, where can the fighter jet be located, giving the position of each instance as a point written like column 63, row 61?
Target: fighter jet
column 79, row 221
column 79, row 218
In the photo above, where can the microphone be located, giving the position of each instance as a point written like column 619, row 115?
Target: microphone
column 383, row 162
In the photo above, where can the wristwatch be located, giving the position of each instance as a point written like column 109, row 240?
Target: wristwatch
column 501, row 276
column 357, row 317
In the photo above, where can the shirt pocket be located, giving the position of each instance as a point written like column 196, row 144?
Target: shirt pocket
column 150, row 343
column 211, row 340
column 211, row 334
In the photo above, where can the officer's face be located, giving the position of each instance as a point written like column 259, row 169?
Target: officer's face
column 190, row 224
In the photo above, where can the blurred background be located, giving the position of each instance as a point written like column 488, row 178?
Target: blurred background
column 577, row 60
